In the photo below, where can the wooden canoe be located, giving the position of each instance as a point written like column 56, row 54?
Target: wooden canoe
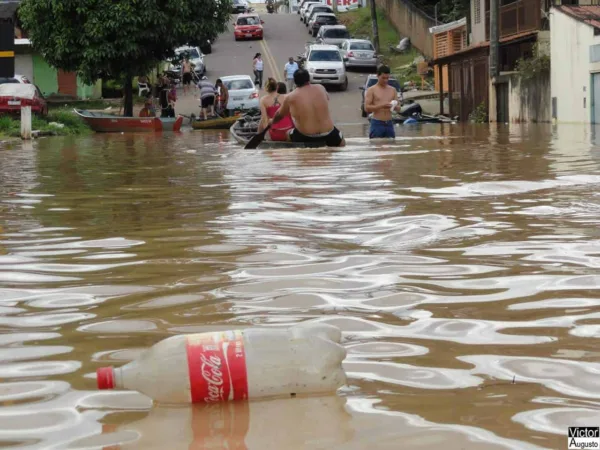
column 220, row 123
column 107, row 123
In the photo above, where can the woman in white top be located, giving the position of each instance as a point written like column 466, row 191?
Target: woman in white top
column 258, row 67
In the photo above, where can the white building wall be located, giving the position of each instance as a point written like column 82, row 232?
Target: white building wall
column 477, row 21
column 570, row 73
column 24, row 66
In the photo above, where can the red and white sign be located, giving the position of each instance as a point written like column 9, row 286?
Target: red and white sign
column 217, row 367
column 344, row 5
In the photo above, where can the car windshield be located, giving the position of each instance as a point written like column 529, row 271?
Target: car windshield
column 361, row 46
column 236, row 85
column 8, row 80
column 192, row 53
column 392, row 82
column 319, row 9
column 325, row 55
column 326, row 19
column 336, row 34
column 248, row 21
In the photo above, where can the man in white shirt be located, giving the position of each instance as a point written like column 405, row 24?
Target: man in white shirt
column 288, row 73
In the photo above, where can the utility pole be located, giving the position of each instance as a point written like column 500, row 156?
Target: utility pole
column 334, row 5
column 375, row 27
column 494, row 38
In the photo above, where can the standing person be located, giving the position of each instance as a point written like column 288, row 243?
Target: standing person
column 378, row 100
column 207, row 97
column 258, row 66
column 186, row 74
column 269, row 105
column 288, row 73
column 308, row 105
column 223, row 95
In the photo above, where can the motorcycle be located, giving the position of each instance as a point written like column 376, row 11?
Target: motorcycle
column 270, row 7
column 300, row 60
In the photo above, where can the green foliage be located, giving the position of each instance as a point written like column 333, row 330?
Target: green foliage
column 358, row 22
column 73, row 125
column 479, row 114
column 538, row 64
column 111, row 39
column 447, row 10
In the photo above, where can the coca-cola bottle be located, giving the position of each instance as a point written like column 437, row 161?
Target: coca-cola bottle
column 235, row 365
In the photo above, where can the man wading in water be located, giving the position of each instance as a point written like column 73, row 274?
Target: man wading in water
column 378, row 100
column 309, row 106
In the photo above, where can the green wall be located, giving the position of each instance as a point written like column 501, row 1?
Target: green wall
column 44, row 76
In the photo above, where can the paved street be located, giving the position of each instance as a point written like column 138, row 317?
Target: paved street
column 285, row 36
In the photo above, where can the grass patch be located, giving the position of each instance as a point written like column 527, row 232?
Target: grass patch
column 358, row 23
column 71, row 124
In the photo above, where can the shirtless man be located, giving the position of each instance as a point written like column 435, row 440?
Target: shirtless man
column 378, row 100
column 309, row 106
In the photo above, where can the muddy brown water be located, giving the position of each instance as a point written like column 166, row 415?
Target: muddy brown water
column 460, row 262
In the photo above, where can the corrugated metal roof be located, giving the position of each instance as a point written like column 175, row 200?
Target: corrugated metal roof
column 586, row 14
column 448, row 26
column 8, row 8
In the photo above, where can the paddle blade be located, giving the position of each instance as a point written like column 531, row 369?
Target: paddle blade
column 257, row 139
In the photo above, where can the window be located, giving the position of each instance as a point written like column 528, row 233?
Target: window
column 361, row 46
column 324, row 56
column 248, row 21
column 337, row 34
column 192, row 53
column 477, row 11
column 234, row 85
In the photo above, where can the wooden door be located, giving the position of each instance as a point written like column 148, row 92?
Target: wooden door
column 67, row 83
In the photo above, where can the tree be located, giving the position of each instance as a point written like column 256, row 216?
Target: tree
column 118, row 38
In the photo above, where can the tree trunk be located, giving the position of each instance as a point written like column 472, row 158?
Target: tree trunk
column 128, row 100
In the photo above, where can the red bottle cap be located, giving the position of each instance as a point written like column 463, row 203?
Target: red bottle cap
column 105, row 377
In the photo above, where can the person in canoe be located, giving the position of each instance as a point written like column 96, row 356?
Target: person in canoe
column 269, row 105
column 223, row 97
column 308, row 105
column 207, row 97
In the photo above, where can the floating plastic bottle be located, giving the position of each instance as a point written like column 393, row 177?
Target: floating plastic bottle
column 235, row 365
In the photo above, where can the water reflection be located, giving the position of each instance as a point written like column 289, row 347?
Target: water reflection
column 456, row 260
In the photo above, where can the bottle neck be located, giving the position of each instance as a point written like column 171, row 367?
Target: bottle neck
column 118, row 378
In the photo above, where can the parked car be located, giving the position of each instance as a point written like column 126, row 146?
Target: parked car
column 332, row 35
column 316, row 8
column 370, row 81
column 239, row 6
column 326, row 66
column 248, row 26
column 15, row 95
column 16, row 79
column 359, row 53
column 305, row 6
column 320, row 19
column 243, row 94
column 196, row 58
column 301, row 4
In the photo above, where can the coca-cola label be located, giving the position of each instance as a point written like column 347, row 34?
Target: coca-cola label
column 217, row 367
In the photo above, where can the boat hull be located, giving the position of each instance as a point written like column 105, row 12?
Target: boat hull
column 107, row 123
column 222, row 123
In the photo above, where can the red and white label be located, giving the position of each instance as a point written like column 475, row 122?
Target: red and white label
column 217, row 367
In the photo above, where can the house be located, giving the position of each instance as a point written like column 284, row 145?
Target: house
column 50, row 81
column 521, row 25
column 575, row 82
column 448, row 39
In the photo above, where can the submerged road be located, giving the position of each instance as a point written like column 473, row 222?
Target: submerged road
column 285, row 36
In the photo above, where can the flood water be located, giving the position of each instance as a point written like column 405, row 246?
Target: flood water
column 460, row 262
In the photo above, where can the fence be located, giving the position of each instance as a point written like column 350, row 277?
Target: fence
column 515, row 18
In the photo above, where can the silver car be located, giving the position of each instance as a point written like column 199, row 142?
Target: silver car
column 359, row 53
column 332, row 35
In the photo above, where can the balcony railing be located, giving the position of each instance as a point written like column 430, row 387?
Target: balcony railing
column 516, row 18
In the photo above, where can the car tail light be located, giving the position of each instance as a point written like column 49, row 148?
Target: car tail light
column 350, row 55
column 253, row 95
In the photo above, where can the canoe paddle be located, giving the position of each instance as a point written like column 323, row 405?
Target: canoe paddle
column 257, row 139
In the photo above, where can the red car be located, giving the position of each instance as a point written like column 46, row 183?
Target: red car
column 248, row 26
column 15, row 95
